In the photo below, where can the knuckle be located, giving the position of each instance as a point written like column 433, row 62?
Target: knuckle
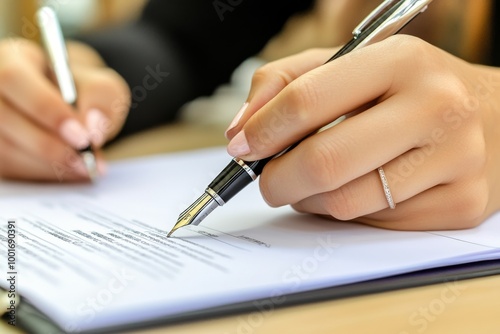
column 312, row 52
column 105, row 82
column 267, row 133
column 111, row 91
column 262, row 74
column 298, row 207
column 448, row 89
column 451, row 102
column 469, row 149
column 412, row 45
column 122, row 86
column 304, row 96
column 451, row 90
column 407, row 47
column 340, row 204
column 261, row 136
column 329, row 158
column 317, row 165
column 113, row 78
column 9, row 72
column 6, row 46
column 422, row 56
column 271, row 72
column 472, row 205
column 102, row 81
column 477, row 157
column 266, row 190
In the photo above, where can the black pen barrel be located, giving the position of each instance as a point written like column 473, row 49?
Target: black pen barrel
column 236, row 176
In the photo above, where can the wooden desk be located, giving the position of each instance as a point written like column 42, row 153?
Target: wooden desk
column 169, row 138
column 470, row 306
column 476, row 309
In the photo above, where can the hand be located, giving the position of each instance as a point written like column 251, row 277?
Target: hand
column 39, row 133
column 430, row 119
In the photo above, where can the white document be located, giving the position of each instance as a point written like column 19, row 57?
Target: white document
column 97, row 256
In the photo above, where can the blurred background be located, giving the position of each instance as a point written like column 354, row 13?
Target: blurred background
column 460, row 27
column 17, row 16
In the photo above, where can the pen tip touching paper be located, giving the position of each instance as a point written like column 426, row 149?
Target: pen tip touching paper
column 180, row 223
column 171, row 231
column 196, row 212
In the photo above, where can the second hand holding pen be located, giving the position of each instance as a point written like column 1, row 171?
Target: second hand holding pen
column 386, row 20
column 55, row 47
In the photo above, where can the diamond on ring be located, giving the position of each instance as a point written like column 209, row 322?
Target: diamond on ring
column 387, row 190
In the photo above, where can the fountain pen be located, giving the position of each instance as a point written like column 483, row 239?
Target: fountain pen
column 387, row 19
column 53, row 42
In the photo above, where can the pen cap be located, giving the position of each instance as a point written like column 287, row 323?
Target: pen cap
column 388, row 19
column 55, row 48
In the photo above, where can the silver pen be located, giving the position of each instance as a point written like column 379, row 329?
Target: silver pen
column 55, row 47
column 386, row 20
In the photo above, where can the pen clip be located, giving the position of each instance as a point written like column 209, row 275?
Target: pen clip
column 373, row 16
column 388, row 18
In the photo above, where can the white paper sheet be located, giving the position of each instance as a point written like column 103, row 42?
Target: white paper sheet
column 93, row 256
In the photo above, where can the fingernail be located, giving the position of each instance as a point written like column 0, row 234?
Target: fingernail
column 74, row 134
column 96, row 125
column 236, row 118
column 238, row 146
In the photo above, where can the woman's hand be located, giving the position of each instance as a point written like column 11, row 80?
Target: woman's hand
column 39, row 133
column 430, row 119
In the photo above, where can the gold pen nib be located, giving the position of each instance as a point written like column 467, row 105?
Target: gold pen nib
column 171, row 231
column 181, row 222
column 195, row 213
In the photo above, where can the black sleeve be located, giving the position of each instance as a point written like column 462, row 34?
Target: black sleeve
column 181, row 49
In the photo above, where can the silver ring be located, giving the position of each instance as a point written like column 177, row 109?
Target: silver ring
column 387, row 190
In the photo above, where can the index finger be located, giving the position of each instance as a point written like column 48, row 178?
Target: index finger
column 271, row 78
column 319, row 97
column 26, row 88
